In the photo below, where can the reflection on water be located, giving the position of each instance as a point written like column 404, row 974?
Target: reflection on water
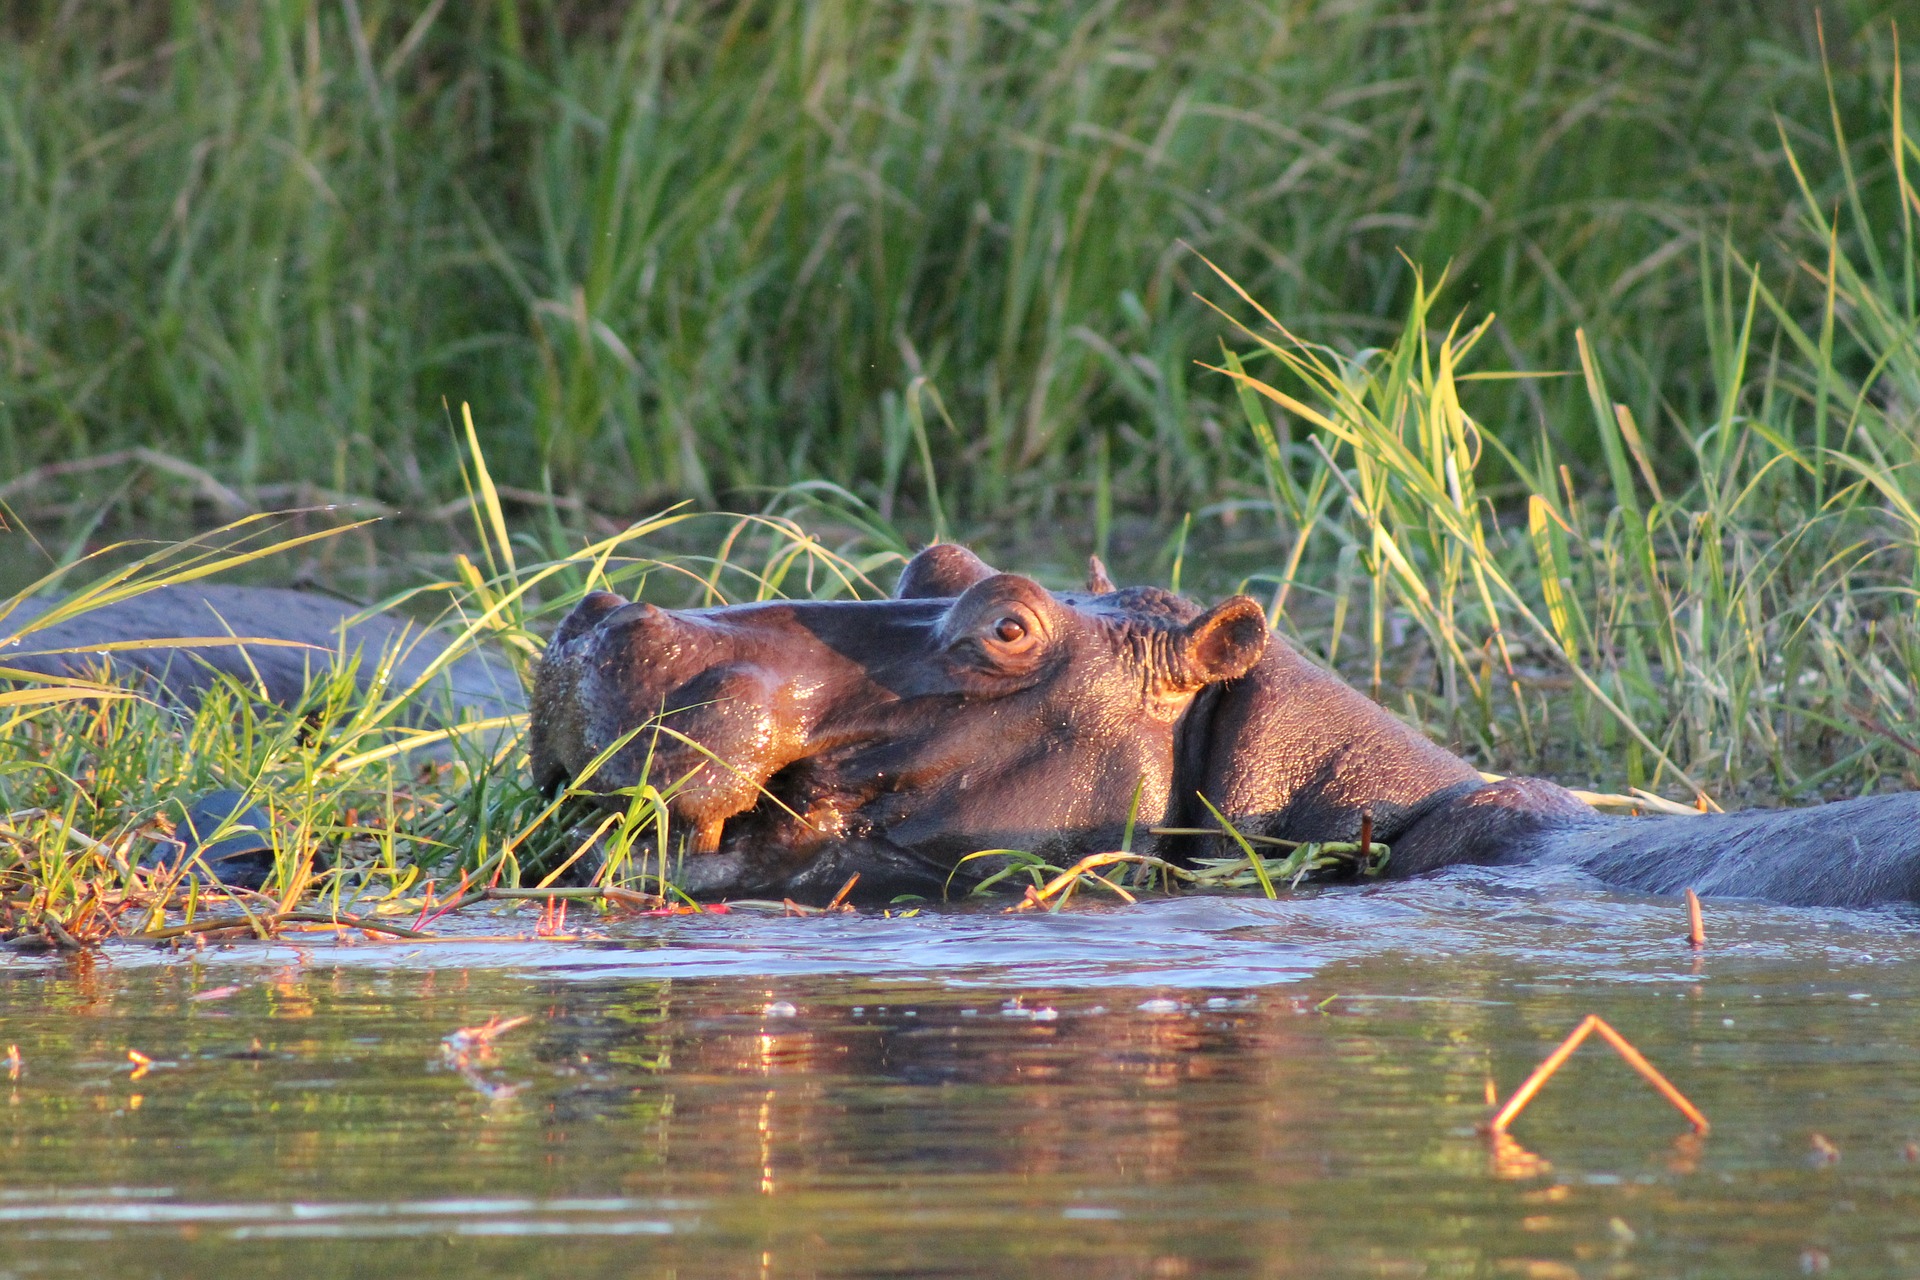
column 1191, row 1088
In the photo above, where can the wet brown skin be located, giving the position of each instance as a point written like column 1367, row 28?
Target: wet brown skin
column 893, row 738
column 977, row 710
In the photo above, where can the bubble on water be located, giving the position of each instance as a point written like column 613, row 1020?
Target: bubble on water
column 779, row 1009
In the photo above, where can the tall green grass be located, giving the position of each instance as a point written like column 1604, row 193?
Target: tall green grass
column 690, row 249
column 1738, row 613
column 1659, row 534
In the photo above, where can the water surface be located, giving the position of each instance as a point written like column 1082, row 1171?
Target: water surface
column 1197, row 1087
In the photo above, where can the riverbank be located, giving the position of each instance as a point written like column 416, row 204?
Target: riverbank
column 1716, row 602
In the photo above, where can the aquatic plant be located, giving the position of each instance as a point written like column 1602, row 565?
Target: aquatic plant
column 1737, row 615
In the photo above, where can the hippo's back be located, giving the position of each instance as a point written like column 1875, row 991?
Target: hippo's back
column 1848, row 853
column 327, row 631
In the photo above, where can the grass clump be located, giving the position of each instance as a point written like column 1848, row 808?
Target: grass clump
column 375, row 820
column 1735, row 615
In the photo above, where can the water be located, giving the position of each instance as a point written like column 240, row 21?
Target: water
column 1202, row 1087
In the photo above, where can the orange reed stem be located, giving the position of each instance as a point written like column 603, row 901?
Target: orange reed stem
column 845, row 889
column 1696, row 928
column 1554, row 1061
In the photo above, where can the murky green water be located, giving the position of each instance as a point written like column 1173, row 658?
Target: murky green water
column 1192, row 1088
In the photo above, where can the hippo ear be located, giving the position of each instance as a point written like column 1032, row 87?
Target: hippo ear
column 942, row 570
column 1098, row 583
column 1223, row 643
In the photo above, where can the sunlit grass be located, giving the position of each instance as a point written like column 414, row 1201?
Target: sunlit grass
column 376, row 820
column 1738, row 616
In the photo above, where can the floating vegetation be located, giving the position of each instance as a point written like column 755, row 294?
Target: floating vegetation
column 1051, row 887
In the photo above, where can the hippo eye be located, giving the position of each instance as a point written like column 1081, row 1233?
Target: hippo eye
column 1009, row 630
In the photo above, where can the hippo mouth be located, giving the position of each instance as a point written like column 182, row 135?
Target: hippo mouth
column 792, row 816
column 866, row 870
column 808, row 835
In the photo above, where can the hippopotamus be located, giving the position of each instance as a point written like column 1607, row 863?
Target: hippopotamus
column 314, row 632
column 798, row 743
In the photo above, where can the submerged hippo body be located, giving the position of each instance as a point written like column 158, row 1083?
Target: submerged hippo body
column 800, row 743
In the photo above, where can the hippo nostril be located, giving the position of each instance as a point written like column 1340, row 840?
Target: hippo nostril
column 637, row 614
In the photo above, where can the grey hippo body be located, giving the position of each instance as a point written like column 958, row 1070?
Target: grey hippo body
column 800, row 742
column 322, row 630
column 1325, row 754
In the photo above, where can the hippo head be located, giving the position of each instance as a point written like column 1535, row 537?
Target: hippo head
column 797, row 742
